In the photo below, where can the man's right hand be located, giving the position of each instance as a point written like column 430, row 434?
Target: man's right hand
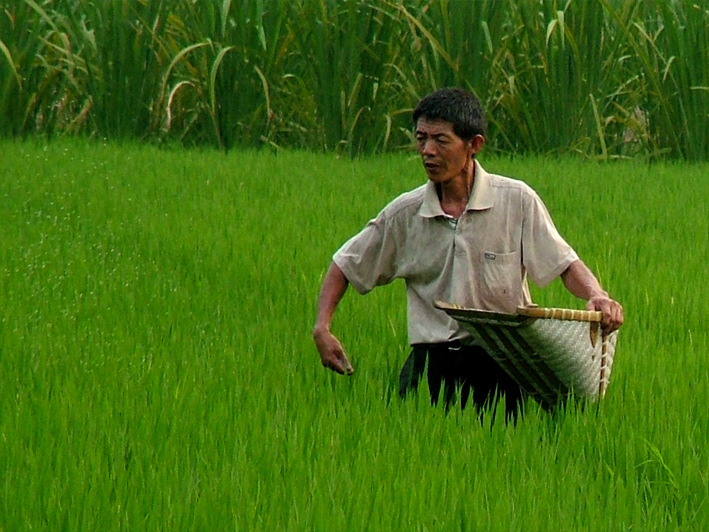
column 331, row 352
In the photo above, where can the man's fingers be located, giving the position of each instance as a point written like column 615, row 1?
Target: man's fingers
column 612, row 317
column 339, row 364
column 612, row 313
column 332, row 355
column 345, row 364
column 334, row 367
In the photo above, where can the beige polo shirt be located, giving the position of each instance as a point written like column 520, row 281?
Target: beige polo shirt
column 481, row 261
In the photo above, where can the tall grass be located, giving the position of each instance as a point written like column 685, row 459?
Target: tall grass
column 31, row 88
column 120, row 43
column 157, row 371
column 601, row 78
column 554, row 75
column 673, row 49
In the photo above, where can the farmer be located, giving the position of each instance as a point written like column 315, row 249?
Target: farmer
column 466, row 237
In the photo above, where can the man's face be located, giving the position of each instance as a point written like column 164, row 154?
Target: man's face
column 443, row 153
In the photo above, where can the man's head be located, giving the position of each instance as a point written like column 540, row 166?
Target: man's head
column 458, row 107
column 449, row 126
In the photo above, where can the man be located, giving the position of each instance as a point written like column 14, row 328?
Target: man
column 466, row 237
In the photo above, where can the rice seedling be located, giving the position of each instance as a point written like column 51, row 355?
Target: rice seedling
column 157, row 371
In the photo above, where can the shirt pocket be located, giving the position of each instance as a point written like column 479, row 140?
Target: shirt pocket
column 501, row 281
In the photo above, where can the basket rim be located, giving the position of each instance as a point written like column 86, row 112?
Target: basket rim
column 553, row 313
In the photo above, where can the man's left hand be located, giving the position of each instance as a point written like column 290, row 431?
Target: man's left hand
column 612, row 312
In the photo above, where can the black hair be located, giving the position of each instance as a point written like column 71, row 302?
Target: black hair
column 457, row 106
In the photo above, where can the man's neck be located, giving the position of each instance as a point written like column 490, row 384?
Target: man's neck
column 455, row 194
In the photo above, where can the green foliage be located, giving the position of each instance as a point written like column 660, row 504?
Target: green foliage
column 675, row 52
column 345, row 55
column 601, row 78
column 32, row 86
column 157, row 370
column 553, row 75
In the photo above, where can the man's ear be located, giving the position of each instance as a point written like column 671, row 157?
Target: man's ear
column 477, row 143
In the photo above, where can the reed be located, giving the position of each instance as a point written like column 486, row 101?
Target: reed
column 603, row 79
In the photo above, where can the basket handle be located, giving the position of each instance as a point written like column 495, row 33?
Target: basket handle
column 561, row 314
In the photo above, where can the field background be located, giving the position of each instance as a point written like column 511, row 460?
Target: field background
column 157, row 370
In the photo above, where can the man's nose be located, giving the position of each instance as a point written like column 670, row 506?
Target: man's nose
column 429, row 147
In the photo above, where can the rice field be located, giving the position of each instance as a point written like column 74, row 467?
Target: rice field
column 157, row 370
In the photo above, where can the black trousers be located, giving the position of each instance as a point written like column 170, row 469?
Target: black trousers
column 466, row 369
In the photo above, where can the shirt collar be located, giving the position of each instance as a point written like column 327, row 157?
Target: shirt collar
column 481, row 197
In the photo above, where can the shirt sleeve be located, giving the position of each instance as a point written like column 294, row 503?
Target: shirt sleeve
column 545, row 254
column 368, row 259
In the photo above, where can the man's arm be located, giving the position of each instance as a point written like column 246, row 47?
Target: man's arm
column 581, row 282
column 331, row 352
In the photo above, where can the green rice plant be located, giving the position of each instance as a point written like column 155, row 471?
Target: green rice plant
column 157, row 370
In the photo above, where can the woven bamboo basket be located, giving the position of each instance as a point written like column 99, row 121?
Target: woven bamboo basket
column 551, row 353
